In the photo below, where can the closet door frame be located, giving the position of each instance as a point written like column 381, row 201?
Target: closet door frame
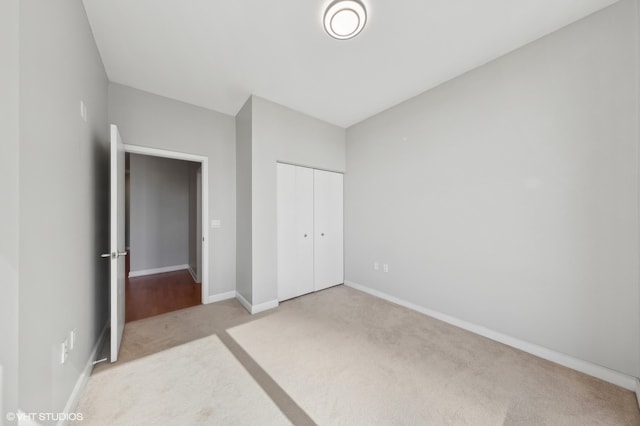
column 310, row 249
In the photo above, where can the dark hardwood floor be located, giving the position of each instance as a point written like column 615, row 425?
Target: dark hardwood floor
column 157, row 294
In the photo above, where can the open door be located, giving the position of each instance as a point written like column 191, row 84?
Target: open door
column 117, row 241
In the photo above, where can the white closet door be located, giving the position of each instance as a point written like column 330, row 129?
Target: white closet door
column 295, row 231
column 328, row 218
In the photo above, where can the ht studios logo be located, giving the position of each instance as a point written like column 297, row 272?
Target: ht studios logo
column 56, row 417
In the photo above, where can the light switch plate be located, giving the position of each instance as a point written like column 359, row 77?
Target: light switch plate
column 72, row 339
column 83, row 111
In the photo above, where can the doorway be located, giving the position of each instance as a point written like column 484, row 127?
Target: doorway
column 166, row 234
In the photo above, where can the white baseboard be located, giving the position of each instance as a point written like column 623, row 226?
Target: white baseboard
column 603, row 373
column 244, row 302
column 638, row 391
column 221, row 296
column 143, row 272
column 254, row 309
column 264, row 306
column 193, row 274
column 74, row 398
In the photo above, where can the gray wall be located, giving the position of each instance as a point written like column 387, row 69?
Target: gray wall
column 159, row 212
column 154, row 121
column 281, row 134
column 63, row 175
column 244, row 258
column 508, row 197
column 9, row 217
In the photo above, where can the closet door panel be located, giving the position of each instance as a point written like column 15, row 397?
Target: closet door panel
column 295, row 231
column 328, row 229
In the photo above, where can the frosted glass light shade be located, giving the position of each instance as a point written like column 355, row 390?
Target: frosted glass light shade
column 344, row 19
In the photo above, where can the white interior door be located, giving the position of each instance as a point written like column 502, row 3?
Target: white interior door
column 328, row 224
column 117, row 241
column 295, row 231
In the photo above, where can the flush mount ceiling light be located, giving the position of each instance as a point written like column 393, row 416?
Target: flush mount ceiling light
column 344, row 19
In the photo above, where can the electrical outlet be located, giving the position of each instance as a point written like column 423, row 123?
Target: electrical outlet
column 64, row 351
column 376, row 266
column 385, row 268
column 72, row 339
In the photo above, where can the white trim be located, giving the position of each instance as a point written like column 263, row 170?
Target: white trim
column 254, row 309
column 306, row 166
column 603, row 373
column 204, row 162
column 74, row 398
column 193, row 274
column 162, row 270
column 221, row 296
column 204, row 273
column 244, row 302
column 154, row 152
column 638, row 391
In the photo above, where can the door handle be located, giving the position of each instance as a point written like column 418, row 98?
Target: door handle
column 115, row 254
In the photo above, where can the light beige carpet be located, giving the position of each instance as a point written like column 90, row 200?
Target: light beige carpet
column 199, row 382
column 154, row 334
column 348, row 358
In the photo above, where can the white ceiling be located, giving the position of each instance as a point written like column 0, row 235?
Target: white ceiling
column 215, row 53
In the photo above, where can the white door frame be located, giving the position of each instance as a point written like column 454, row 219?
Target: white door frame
column 204, row 162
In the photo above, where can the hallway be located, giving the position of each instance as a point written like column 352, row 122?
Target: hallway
column 156, row 294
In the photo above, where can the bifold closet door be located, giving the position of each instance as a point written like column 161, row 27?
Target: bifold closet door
column 328, row 229
column 295, row 231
